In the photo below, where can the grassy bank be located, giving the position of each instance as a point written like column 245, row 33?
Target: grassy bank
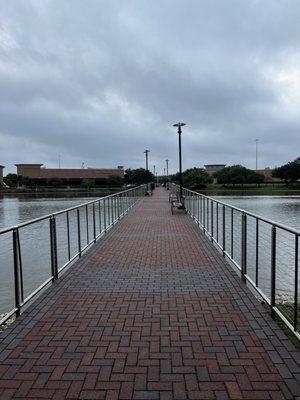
column 278, row 189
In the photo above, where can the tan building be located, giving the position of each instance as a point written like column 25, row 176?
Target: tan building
column 211, row 169
column 70, row 176
column 267, row 173
column 1, row 173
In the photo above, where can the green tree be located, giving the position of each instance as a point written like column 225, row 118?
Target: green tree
column 237, row 174
column 195, row 177
column 54, row 182
column 138, row 176
column 114, row 180
column 289, row 172
column 26, row 181
column 11, row 180
column 88, row 183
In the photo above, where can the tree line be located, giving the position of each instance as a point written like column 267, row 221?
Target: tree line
column 196, row 178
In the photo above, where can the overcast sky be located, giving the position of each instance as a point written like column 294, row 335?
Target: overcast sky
column 100, row 81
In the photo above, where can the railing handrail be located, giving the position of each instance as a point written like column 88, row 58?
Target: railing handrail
column 47, row 216
column 251, row 214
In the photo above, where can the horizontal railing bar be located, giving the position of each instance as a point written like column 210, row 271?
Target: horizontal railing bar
column 259, row 217
column 91, row 202
column 43, row 217
column 8, row 315
column 37, row 291
column 258, row 290
column 68, row 262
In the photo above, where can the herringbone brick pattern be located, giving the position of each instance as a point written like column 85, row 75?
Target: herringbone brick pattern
column 151, row 312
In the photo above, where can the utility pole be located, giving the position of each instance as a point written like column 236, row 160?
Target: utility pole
column 256, row 153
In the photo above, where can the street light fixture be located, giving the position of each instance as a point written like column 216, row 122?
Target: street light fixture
column 179, row 125
column 147, row 176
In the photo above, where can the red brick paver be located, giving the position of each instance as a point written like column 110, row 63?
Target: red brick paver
column 151, row 312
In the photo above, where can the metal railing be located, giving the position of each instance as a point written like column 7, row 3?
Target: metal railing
column 265, row 253
column 40, row 249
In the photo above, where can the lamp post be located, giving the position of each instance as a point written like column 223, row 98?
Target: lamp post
column 167, row 162
column 179, row 125
column 147, row 177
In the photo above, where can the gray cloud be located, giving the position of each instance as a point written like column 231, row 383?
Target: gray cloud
column 100, row 81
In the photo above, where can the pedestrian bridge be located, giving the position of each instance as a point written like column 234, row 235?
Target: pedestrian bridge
column 151, row 311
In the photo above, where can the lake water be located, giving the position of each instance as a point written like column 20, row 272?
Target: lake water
column 35, row 241
column 17, row 209
column 282, row 209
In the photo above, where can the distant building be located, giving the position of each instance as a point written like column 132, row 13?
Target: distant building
column 211, row 169
column 267, row 173
column 69, row 176
column 1, row 173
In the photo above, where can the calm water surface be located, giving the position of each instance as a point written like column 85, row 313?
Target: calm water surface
column 282, row 209
column 17, row 209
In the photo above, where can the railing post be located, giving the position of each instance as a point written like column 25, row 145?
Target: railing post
column 94, row 222
column 207, row 215
column 198, row 208
column 68, row 234
column 20, row 266
column 217, row 221
column 100, row 225
column 53, row 244
column 256, row 251
column 193, row 206
column 112, row 206
column 244, row 248
column 296, row 283
column 273, row 270
column 122, row 204
column 78, row 232
column 231, row 234
column 16, row 273
column 87, row 223
column 224, row 231
column 104, row 214
column 118, row 205
column 212, row 220
column 204, row 213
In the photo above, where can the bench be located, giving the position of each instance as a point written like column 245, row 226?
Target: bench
column 176, row 203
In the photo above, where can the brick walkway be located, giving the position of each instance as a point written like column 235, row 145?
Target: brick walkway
column 150, row 312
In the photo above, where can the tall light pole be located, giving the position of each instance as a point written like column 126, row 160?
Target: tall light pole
column 256, row 152
column 167, row 162
column 147, row 178
column 179, row 125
